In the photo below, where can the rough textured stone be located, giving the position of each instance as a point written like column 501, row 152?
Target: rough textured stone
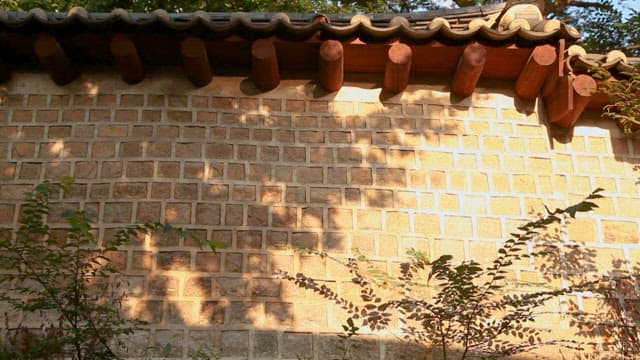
column 265, row 174
column 265, row 344
column 234, row 343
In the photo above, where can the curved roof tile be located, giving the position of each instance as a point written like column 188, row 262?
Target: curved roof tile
column 615, row 61
column 489, row 23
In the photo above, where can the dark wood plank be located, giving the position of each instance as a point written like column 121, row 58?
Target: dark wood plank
column 54, row 59
column 469, row 69
column 264, row 67
column 196, row 61
column 534, row 73
column 125, row 55
column 331, row 65
column 396, row 75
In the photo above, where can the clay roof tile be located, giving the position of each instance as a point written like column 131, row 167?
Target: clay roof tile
column 464, row 24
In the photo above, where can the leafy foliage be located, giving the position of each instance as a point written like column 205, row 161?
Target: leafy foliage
column 347, row 6
column 602, row 22
column 615, row 321
column 68, row 282
column 605, row 28
column 464, row 306
column 624, row 96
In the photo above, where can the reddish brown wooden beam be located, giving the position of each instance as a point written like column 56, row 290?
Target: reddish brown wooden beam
column 264, row 65
column 125, row 55
column 234, row 54
column 559, row 103
column 469, row 69
column 360, row 57
column 557, row 70
column 396, row 74
column 5, row 73
column 331, row 65
column 504, row 62
column 582, row 87
column 598, row 101
column 435, row 58
column 54, row 59
column 196, row 61
column 305, row 59
column 535, row 72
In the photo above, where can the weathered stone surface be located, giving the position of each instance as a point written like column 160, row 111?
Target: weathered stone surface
column 266, row 174
column 294, row 344
column 265, row 344
column 234, row 343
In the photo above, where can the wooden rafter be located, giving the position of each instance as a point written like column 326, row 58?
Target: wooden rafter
column 469, row 69
column 396, row 75
column 125, row 55
column 196, row 61
column 534, row 73
column 331, row 65
column 54, row 59
column 264, row 66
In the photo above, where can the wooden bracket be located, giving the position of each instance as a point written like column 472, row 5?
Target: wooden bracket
column 469, row 69
column 54, row 59
column 566, row 95
column 557, row 70
column 560, row 101
column 396, row 74
column 264, row 67
column 331, row 65
column 126, row 58
column 581, row 89
column 5, row 69
column 196, row 61
column 534, row 73
column 5, row 72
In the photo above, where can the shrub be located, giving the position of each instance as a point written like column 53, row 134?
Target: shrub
column 68, row 283
column 624, row 95
column 466, row 307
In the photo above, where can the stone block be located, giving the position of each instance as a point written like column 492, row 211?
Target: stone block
column 231, row 286
column 207, row 262
column 391, row 177
column 168, row 342
column 257, row 263
column 211, row 313
column 265, row 344
column 234, row 343
column 163, row 285
column 208, row 214
column 266, row 288
column 278, row 313
column 198, row 286
column 233, row 262
column 245, row 312
column 378, row 198
column 174, row 260
column 296, row 344
column 620, row 231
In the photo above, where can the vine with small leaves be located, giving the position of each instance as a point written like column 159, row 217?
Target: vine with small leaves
column 465, row 306
column 624, row 97
column 69, row 282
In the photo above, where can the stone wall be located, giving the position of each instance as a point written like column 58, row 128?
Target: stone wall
column 346, row 173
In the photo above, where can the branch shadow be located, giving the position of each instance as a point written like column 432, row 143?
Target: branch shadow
column 268, row 173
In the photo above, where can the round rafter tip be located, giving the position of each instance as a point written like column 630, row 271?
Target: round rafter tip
column 400, row 53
